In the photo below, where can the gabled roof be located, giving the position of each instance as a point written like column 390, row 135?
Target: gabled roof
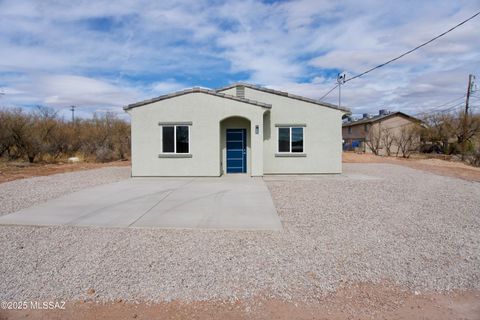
column 379, row 118
column 285, row 94
column 197, row 90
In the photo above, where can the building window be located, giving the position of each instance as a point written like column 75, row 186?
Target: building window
column 175, row 139
column 365, row 127
column 290, row 139
column 349, row 130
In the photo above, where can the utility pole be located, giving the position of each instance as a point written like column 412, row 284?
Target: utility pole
column 471, row 78
column 72, row 108
column 340, row 82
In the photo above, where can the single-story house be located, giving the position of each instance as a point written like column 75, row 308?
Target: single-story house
column 357, row 133
column 241, row 128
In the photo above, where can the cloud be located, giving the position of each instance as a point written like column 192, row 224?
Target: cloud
column 106, row 54
column 66, row 90
column 167, row 86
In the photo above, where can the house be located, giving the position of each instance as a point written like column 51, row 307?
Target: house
column 241, row 128
column 359, row 134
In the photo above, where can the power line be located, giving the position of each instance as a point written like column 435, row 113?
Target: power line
column 446, row 103
column 326, row 94
column 414, row 49
column 404, row 54
column 445, row 110
column 448, row 110
column 458, row 105
column 438, row 107
column 443, row 105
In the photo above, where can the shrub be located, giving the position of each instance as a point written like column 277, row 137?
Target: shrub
column 43, row 136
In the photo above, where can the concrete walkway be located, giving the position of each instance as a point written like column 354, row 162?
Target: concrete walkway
column 232, row 202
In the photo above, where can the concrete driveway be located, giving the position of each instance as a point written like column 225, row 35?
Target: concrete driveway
column 232, row 202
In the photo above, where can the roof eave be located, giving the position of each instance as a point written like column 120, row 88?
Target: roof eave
column 196, row 90
column 285, row 94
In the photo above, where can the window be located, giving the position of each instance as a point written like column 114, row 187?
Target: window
column 365, row 127
column 175, row 139
column 290, row 139
column 283, row 139
column 349, row 130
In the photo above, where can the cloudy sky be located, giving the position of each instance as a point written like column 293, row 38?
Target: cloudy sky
column 101, row 55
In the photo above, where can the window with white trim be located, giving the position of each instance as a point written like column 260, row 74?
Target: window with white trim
column 175, row 139
column 290, row 139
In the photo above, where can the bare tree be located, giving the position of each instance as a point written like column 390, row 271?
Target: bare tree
column 6, row 139
column 467, row 127
column 374, row 139
column 407, row 140
column 439, row 129
column 387, row 140
column 475, row 158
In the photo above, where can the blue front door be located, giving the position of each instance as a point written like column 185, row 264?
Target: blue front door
column 236, row 150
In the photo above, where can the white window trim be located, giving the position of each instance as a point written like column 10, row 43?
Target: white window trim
column 175, row 138
column 290, row 144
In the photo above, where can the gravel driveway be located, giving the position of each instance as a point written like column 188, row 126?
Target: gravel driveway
column 375, row 222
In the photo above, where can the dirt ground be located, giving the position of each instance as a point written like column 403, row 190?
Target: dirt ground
column 437, row 166
column 10, row 171
column 362, row 301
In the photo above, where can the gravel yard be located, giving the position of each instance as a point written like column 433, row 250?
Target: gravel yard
column 23, row 193
column 376, row 222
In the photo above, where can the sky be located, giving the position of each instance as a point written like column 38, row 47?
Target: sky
column 102, row 55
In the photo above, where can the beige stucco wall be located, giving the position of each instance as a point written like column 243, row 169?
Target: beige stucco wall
column 357, row 132
column 205, row 112
column 395, row 125
column 322, row 134
column 231, row 91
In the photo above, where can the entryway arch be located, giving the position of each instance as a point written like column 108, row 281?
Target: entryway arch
column 235, row 145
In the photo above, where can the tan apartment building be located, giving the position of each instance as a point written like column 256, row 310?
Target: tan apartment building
column 357, row 133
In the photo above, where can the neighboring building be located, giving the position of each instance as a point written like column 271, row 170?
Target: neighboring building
column 357, row 133
column 241, row 128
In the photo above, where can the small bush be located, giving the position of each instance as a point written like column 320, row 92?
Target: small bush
column 104, row 154
column 474, row 159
